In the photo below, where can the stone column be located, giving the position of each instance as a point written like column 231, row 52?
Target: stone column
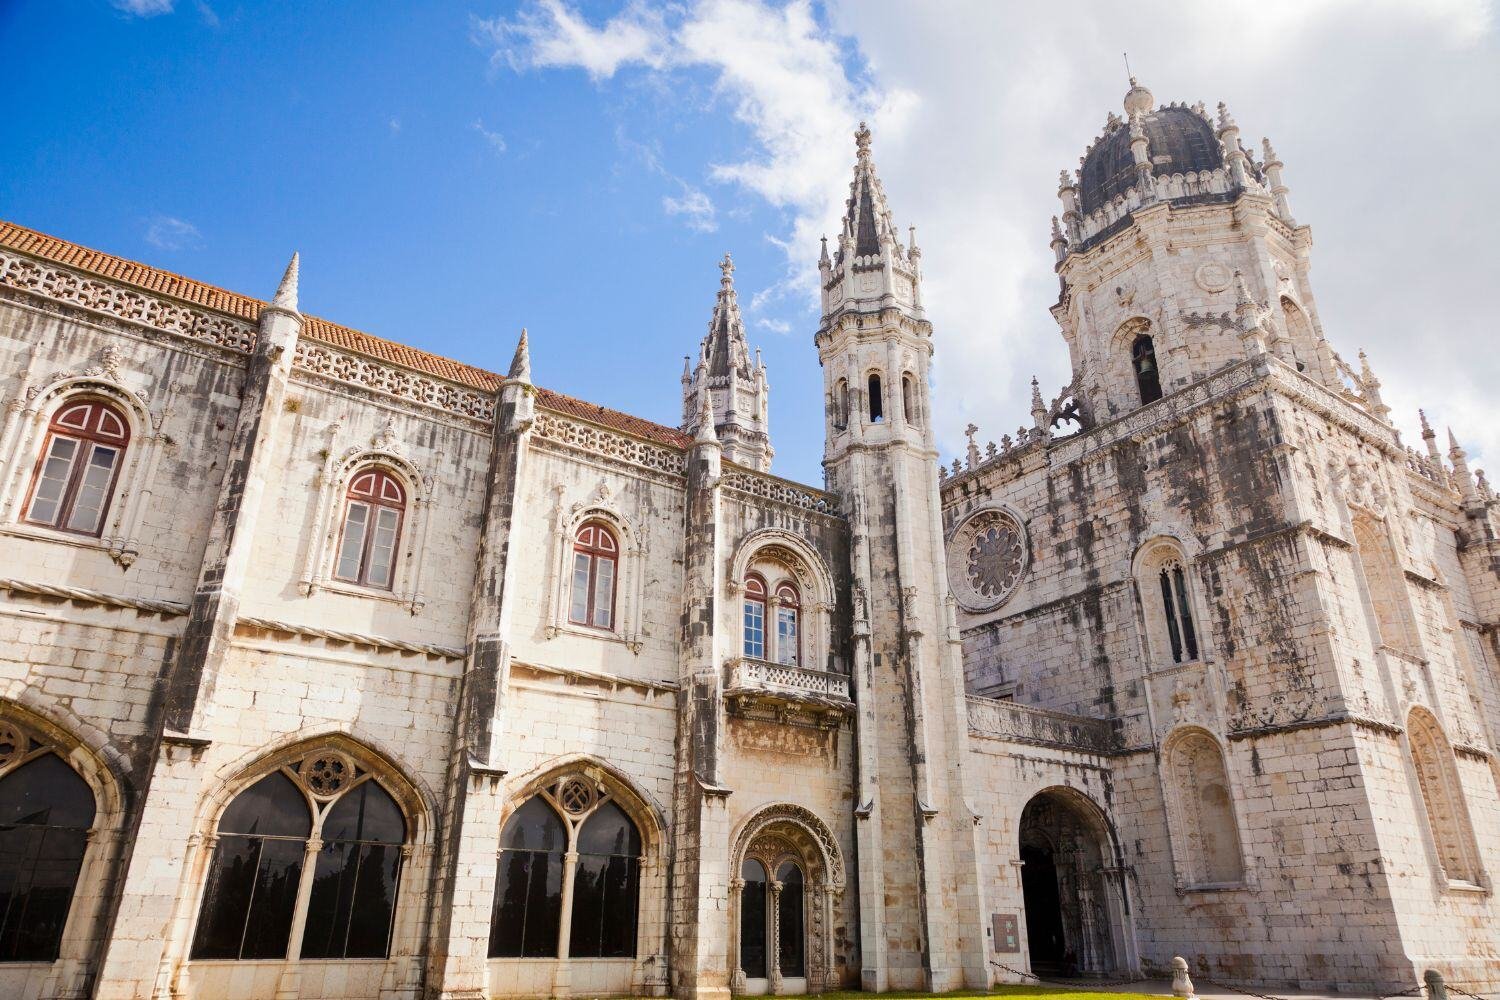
column 562, row 978
column 464, row 889
column 289, row 987
column 773, row 942
column 736, row 934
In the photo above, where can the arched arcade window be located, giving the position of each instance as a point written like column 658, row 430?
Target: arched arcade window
column 46, row 811
column 373, row 510
column 909, row 398
column 261, row 863
column 1147, row 375
column 1177, row 609
column 755, row 617
column 788, row 625
column 790, row 934
column 595, row 554
column 568, row 849
column 841, row 404
column 877, row 400
column 75, row 476
column 1442, row 798
column 1205, row 818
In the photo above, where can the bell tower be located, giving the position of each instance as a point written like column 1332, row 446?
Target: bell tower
column 920, row 924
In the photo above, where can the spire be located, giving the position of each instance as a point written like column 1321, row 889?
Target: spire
column 867, row 221
column 286, row 292
column 520, row 364
column 868, row 243
column 734, row 390
column 725, row 348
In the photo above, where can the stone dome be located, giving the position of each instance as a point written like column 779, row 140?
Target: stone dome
column 1178, row 138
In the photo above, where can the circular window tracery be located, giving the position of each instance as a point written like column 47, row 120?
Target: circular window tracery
column 328, row 773
column 986, row 559
column 576, row 796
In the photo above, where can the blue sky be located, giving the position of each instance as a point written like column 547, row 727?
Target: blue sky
column 454, row 171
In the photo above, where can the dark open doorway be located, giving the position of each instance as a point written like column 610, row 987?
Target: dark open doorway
column 1044, row 929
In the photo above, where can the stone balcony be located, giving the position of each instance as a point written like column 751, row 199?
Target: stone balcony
column 1004, row 720
column 756, row 687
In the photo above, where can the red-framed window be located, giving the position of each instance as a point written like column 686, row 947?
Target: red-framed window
column 596, row 555
column 80, row 461
column 788, row 625
column 373, row 511
column 755, row 617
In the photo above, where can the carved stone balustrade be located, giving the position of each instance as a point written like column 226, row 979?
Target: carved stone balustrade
column 1004, row 720
column 756, row 687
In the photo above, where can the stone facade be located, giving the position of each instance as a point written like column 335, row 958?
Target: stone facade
column 1209, row 673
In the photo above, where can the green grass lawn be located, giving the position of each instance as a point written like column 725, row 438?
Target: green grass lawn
column 1048, row 992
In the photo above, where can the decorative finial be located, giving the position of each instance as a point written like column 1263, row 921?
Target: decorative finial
column 862, row 140
column 520, row 365
column 913, row 250
column 1454, row 451
column 286, row 292
column 1226, row 121
column 1241, row 291
column 1427, row 430
column 823, row 257
column 1138, row 100
column 1064, row 179
column 973, row 449
column 1270, row 154
column 706, row 432
column 1057, row 232
column 1036, row 396
column 726, row 268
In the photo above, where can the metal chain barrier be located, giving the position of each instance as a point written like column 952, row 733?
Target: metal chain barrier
column 1089, row 982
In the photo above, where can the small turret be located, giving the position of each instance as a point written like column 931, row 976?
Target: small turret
column 737, row 389
column 1278, row 186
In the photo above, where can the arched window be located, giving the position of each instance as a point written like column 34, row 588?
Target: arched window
column 1147, row 377
column 841, row 404
column 877, row 400
column 909, row 398
column 1299, row 332
column 259, row 874
column 46, row 811
column 1178, row 611
column 257, row 867
column 1205, row 812
column 606, row 886
column 373, row 511
column 354, row 882
column 788, row 625
column 75, row 477
column 753, row 919
column 1442, row 798
column 574, row 824
column 528, row 884
column 789, row 930
column 755, row 617
column 594, row 554
column 1387, row 585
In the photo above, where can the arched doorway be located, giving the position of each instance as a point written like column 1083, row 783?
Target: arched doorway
column 789, row 875
column 1071, row 887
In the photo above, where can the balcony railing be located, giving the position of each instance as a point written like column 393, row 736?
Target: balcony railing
column 1004, row 720
column 761, row 678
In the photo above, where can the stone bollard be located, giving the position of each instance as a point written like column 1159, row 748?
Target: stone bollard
column 1182, row 985
column 1436, row 988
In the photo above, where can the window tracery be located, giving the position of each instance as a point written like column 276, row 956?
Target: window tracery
column 568, row 878
column 1442, row 799
column 1164, row 580
column 306, row 861
column 987, row 556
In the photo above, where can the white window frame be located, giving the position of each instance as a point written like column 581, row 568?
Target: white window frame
column 629, row 578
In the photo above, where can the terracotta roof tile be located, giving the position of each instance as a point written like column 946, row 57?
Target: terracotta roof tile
column 129, row 272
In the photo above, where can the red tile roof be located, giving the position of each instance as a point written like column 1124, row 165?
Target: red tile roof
column 129, row 272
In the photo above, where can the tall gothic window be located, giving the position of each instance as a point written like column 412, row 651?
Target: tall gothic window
column 877, row 400
column 1178, row 611
column 909, row 398
column 46, row 811
column 1387, row 585
column 788, row 625
column 373, row 511
column 841, row 404
column 789, row 931
column 595, row 553
column 753, row 919
column 75, row 476
column 1442, row 798
column 574, row 824
column 1147, row 376
column 1205, row 811
column 260, row 872
column 755, row 617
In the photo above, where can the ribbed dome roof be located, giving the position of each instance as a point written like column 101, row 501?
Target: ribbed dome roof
column 1178, row 139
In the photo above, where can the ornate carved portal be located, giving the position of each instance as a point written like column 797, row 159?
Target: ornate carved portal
column 788, row 877
column 1072, row 888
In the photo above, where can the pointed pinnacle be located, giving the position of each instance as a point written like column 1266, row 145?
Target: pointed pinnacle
column 726, row 269
column 520, row 365
column 1036, row 393
column 1454, row 451
column 862, row 140
column 706, row 431
column 286, row 292
column 1427, row 430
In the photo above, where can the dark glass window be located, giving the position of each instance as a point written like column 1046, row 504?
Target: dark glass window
column 1179, row 613
column 46, row 810
column 789, row 921
column 353, row 901
column 527, row 914
column 1147, row 377
column 753, row 919
column 253, row 878
column 606, row 886
column 877, row 401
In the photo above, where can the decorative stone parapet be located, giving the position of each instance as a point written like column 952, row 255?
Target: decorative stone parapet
column 779, row 681
column 766, row 487
column 1004, row 720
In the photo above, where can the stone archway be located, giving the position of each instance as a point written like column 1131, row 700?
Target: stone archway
column 1072, row 887
column 788, row 873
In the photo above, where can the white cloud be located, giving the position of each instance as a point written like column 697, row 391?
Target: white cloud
column 167, row 232
column 780, row 326
column 549, row 34
column 144, row 8
column 494, row 140
column 696, row 208
column 394, row 125
column 1381, row 109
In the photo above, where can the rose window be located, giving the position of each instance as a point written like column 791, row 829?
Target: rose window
column 986, row 559
column 327, row 774
column 576, row 796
